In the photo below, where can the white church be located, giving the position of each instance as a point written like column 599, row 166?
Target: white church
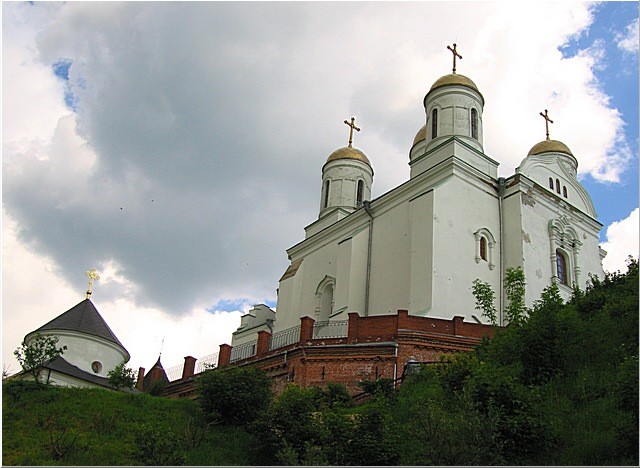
column 92, row 348
column 421, row 245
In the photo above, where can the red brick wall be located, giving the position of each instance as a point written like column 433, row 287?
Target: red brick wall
column 376, row 347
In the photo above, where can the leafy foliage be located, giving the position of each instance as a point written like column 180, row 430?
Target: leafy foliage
column 485, row 297
column 122, row 376
column 298, row 428
column 42, row 349
column 156, row 444
column 380, row 388
column 235, row 394
column 561, row 388
column 514, row 289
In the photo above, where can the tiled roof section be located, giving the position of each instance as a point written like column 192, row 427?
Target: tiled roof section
column 155, row 374
column 292, row 270
column 59, row 364
column 84, row 318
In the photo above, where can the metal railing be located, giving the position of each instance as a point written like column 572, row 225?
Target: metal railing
column 206, row 362
column 243, row 351
column 174, row 373
column 284, row 338
column 331, row 329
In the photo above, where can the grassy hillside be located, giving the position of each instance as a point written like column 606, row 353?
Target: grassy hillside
column 44, row 425
column 559, row 388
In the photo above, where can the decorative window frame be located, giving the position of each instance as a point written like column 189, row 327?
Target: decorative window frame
column 491, row 242
column 564, row 238
column 327, row 282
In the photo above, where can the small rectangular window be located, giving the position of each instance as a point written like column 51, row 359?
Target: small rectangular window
column 434, row 123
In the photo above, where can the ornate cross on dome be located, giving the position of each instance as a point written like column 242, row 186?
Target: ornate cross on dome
column 455, row 54
column 546, row 121
column 93, row 275
column 352, row 127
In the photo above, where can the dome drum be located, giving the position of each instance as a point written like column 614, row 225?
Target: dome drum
column 454, row 110
column 347, row 177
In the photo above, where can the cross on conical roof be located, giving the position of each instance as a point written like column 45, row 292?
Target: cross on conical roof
column 84, row 318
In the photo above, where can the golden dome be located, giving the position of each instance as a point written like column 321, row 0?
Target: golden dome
column 421, row 135
column 455, row 79
column 348, row 152
column 549, row 146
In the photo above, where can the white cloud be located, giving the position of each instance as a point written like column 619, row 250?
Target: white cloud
column 39, row 293
column 629, row 41
column 622, row 241
column 194, row 159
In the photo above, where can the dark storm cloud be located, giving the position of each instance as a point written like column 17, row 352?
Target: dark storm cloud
column 206, row 126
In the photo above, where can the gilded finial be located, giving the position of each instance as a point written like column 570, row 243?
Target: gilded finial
column 546, row 121
column 352, row 127
column 93, row 275
column 455, row 54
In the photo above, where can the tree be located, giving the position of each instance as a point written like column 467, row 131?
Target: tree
column 484, row 300
column 121, row 376
column 514, row 289
column 37, row 353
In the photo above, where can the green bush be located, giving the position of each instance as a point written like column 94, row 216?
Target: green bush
column 156, row 444
column 235, row 394
column 122, row 376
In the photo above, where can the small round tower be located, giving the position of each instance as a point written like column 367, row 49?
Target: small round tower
column 347, row 177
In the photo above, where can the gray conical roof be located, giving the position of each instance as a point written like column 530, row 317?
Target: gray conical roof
column 83, row 318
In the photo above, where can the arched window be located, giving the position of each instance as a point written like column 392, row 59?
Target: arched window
column 551, row 183
column 324, row 299
column 326, row 303
column 485, row 243
column 561, row 264
column 483, row 248
column 558, row 185
column 359, row 192
column 564, row 191
column 325, row 203
column 474, row 124
column 434, row 123
column 565, row 250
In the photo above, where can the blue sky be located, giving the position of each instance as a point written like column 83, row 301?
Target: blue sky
column 618, row 77
column 177, row 147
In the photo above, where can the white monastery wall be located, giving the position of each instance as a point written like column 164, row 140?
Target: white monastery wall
column 462, row 209
column 83, row 350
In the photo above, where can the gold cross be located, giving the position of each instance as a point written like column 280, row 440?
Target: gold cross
column 455, row 54
column 93, row 275
column 352, row 127
column 546, row 121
